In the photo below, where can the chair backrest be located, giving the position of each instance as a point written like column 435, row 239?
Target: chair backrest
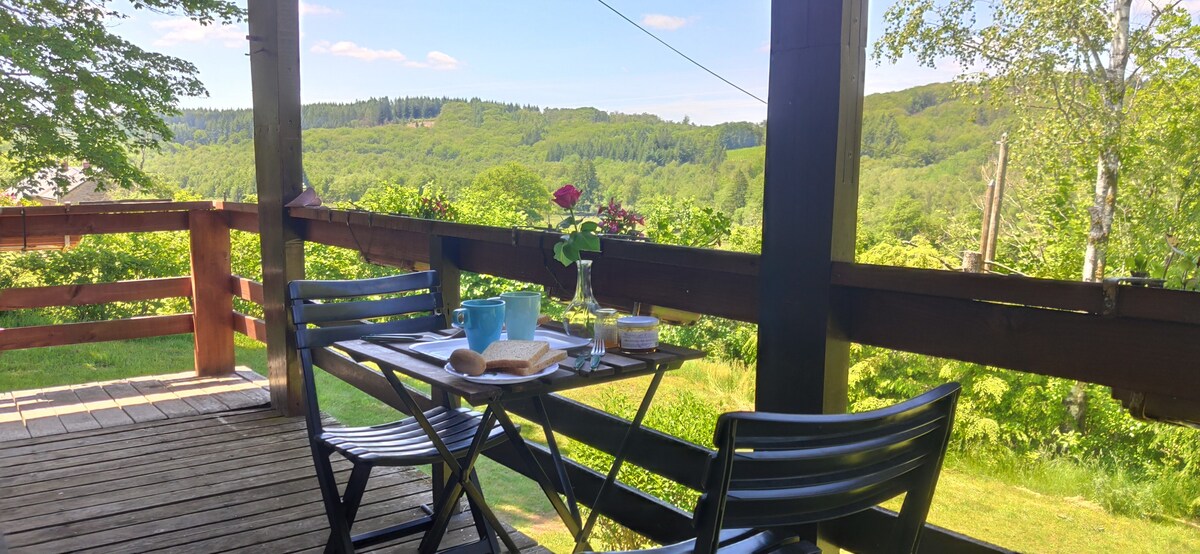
column 782, row 470
column 321, row 324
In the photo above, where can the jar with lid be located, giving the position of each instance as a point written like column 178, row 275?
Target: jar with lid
column 606, row 327
column 638, row 334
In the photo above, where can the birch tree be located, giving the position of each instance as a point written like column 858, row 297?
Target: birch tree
column 1073, row 67
column 1071, row 72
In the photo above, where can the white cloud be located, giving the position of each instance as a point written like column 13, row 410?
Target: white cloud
column 348, row 49
column 437, row 60
column 179, row 31
column 317, row 9
column 663, row 22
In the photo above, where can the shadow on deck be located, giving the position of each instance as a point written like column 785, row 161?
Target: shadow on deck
column 236, row 481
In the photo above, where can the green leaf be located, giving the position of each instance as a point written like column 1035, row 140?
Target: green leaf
column 569, row 221
column 587, row 242
column 589, row 227
column 560, row 255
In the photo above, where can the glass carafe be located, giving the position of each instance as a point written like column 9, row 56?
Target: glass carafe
column 580, row 315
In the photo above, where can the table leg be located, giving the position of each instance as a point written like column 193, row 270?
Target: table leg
column 555, row 454
column 522, row 449
column 462, row 483
column 619, row 459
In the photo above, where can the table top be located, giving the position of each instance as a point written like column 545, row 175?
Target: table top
column 613, row 366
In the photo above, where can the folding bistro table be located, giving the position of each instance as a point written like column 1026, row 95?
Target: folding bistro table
column 400, row 358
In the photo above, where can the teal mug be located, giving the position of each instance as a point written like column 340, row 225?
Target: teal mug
column 482, row 320
column 521, row 310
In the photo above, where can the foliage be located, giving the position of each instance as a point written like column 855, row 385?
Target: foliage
column 684, row 222
column 615, row 220
column 74, row 89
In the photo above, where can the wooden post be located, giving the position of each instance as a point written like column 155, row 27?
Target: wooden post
column 972, row 262
column 818, row 50
column 997, row 203
column 212, row 300
column 275, row 78
column 443, row 258
column 986, row 226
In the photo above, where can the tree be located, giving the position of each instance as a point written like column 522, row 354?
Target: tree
column 1068, row 69
column 72, row 89
column 518, row 182
column 1071, row 72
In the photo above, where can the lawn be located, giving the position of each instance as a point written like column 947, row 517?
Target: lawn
column 1036, row 516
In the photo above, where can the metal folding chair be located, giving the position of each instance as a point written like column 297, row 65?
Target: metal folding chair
column 773, row 472
column 436, row 436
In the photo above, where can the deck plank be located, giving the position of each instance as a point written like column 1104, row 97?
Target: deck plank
column 161, row 396
column 11, row 425
column 133, row 403
column 38, row 417
column 101, row 406
column 208, row 483
column 69, row 409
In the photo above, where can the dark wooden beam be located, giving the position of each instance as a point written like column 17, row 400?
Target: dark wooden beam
column 13, row 229
column 809, row 202
column 275, row 78
column 212, row 301
column 94, row 293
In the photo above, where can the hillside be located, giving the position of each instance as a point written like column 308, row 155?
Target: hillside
column 922, row 150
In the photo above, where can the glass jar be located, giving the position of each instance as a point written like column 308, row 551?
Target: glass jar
column 579, row 317
column 606, row 327
column 638, row 334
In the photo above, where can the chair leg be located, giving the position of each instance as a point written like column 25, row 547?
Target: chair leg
column 339, row 530
column 482, row 528
column 355, row 488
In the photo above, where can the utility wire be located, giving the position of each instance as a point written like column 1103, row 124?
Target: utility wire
column 685, row 56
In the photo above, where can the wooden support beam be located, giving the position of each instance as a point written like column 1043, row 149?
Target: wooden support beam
column 443, row 258
column 818, row 50
column 275, row 79
column 96, row 331
column 94, row 293
column 212, row 301
column 14, row 228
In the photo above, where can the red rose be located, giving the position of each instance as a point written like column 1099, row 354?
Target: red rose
column 567, row 196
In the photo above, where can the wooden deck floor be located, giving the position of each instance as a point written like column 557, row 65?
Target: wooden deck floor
column 70, row 408
column 235, row 481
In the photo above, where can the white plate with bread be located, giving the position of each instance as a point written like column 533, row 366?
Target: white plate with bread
column 506, row 362
column 441, row 349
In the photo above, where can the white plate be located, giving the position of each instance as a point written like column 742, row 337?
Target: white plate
column 490, row 378
column 441, row 349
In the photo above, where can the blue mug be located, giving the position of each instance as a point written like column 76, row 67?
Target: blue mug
column 521, row 310
column 482, row 320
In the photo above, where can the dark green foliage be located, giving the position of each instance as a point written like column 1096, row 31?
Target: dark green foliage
column 74, row 90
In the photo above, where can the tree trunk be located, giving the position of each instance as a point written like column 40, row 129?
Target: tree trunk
column 1108, row 171
column 1104, row 204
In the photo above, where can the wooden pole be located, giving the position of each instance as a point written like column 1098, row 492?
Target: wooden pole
column 212, row 299
column 275, row 77
column 997, row 203
column 986, row 225
column 818, row 49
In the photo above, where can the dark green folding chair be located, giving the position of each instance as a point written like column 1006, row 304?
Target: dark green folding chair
column 437, row 436
column 773, row 472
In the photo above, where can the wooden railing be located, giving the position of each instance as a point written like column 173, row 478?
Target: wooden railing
column 211, row 304
column 1129, row 338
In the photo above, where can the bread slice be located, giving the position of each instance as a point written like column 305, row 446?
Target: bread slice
column 514, row 354
column 551, row 357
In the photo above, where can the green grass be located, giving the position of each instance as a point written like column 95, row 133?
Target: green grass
column 1039, row 510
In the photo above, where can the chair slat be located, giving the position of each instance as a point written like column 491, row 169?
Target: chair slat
column 363, row 309
column 311, row 290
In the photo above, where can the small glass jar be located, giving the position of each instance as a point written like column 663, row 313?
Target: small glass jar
column 606, row 327
column 638, row 334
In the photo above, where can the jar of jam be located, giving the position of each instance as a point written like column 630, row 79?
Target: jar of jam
column 638, row 334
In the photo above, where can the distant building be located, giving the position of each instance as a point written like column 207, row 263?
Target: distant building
column 44, row 189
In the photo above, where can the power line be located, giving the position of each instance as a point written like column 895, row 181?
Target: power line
column 685, row 56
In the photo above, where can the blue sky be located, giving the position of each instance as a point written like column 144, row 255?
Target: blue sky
column 550, row 53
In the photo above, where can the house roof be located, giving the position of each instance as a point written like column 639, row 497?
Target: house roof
column 44, row 185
